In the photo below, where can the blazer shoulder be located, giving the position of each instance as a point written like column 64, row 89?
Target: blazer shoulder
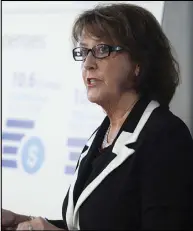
column 167, row 137
column 163, row 120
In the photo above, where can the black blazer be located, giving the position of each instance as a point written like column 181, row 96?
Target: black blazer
column 143, row 181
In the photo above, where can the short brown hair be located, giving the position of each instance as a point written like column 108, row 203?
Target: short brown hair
column 137, row 30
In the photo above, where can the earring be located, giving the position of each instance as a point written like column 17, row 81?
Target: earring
column 137, row 69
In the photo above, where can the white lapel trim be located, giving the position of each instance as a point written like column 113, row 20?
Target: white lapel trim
column 132, row 137
column 70, row 206
column 122, row 153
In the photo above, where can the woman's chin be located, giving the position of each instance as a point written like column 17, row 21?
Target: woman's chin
column 93, row 98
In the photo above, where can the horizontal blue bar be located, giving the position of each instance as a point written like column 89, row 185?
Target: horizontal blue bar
column 76, row 142
column 9, row 150
column 12, row 136
column 20, row 123
column 74, row 156
column 69, row 170
column 9, row 163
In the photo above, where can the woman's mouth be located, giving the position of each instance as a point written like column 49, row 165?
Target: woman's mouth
column 92, row 82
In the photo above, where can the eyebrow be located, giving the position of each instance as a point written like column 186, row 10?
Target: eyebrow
column 83, row 44
column 86, row 45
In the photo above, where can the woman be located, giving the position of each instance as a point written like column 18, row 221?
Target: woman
column 136, row 171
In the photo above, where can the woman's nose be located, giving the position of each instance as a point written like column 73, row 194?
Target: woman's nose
column 90, row 61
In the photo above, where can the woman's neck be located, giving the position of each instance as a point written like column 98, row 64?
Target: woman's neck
column 117, row 115
column 118, row 112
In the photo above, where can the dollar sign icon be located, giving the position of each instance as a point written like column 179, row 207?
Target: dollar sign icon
column 32, row 155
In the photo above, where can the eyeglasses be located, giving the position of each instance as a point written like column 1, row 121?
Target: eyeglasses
column 99, row 51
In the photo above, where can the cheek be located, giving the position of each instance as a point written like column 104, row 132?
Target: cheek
column 118, row 76
column 107, row 70
column 114, row 74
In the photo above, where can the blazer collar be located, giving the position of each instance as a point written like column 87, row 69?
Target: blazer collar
column 129, row 124
column 128, row 134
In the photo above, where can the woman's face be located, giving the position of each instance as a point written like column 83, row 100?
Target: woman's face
column 106, row 79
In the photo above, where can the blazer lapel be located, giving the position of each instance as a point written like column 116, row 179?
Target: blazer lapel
column 70, row 206
column 122, row 152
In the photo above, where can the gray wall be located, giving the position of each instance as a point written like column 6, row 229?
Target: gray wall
column 177, row 23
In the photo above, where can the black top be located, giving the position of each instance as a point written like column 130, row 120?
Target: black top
column 101, row 159
column 152, row 189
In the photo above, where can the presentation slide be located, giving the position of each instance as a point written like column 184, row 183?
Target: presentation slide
column 46, row 116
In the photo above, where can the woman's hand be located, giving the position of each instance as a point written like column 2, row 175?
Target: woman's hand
column 38, row 223
column 8, row 218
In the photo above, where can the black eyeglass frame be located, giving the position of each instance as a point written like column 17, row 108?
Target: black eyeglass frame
column 111, row 49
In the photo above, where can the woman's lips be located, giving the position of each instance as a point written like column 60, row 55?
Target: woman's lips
column 92, row 82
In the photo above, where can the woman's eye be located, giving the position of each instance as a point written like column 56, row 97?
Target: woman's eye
column 78, row 53
column 103, row 49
